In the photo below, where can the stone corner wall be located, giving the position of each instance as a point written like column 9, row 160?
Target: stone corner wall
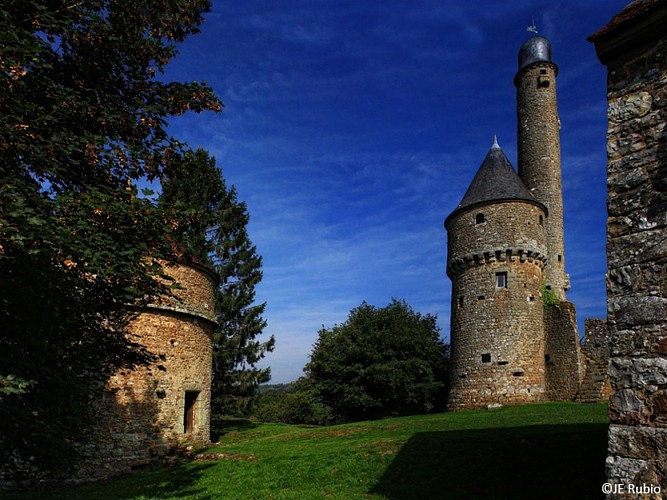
column 562, row 357
column 635, row 55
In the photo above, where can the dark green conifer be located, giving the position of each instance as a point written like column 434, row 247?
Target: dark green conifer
column 215, row 230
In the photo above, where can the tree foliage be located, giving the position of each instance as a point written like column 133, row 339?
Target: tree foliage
column 80, row 102
column 215, row 229
column 380, row 362
column 297, row 403
column 82, row 115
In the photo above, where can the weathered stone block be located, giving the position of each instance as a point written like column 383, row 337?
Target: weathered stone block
column 637, row 442
column 629, row 107
column 637, row 309
column 645, row 247
column 625, row 181
column 626, row 408
column 638, row 372
column 637, row 455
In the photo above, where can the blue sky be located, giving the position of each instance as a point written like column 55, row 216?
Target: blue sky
column 352, row 128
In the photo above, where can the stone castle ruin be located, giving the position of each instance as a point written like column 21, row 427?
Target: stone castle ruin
column 513, row 334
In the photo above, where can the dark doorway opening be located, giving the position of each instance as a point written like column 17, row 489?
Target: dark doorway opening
column 189, row 412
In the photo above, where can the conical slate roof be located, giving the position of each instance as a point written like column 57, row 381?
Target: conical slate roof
column 496, row 180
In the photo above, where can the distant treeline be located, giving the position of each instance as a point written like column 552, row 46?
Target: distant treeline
column 275, row 388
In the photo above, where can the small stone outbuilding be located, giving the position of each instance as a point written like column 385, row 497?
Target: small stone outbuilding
column 145, row 412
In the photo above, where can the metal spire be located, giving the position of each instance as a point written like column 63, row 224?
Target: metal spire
column 532, row 28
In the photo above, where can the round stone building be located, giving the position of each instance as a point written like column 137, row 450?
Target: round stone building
column 495, row 259
column 538, row 148
column 146, row 411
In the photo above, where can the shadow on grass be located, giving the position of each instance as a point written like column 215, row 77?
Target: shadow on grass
column 222, row 426
column 179, row 481
column 546, row 461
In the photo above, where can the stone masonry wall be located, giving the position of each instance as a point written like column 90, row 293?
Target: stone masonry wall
column 597, row 340
column 513, row 226
column 196, row 293
column 142, row 412
column 497, row 332
column 497, row 338
column 561, row 354
column 637, row 248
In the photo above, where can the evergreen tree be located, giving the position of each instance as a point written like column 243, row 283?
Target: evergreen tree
column 215, row 230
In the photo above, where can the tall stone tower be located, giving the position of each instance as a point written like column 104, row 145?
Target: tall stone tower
column 505, row 242
column 538, row 148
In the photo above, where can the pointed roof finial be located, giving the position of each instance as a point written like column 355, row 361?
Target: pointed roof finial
column 532, row 28
column 495, row 142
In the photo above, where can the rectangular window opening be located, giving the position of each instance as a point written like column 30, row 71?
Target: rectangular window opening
column 486, row 358
column 189, row 411
column 501, row 280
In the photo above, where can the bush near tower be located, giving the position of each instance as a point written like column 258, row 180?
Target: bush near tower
column 380, row 362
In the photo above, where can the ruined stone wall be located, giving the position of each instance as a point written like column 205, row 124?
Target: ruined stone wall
column 596, row 385
column 497, row 331
column 596, row 339
column 144, row 412
column 635, row 52
column 563, row 361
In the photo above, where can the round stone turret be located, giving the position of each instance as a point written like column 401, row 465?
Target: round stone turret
column 145, row 411
column 504, row 247
column 496, row 250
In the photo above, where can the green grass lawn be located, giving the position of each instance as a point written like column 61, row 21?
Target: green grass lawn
column 550, row 450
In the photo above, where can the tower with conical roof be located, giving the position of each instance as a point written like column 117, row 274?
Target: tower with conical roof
column 504, row 248
column 495, row 258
